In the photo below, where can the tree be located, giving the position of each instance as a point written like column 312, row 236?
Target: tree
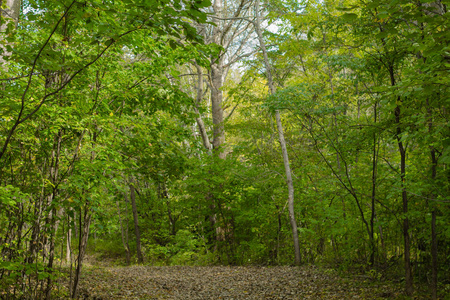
column 290, row 185
column 231, row 34
column 136, row 223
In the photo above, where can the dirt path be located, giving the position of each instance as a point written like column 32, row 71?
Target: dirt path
column 144, row 282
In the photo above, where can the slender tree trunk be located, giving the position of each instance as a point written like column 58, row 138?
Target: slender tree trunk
column 374, row 185
column 52, row 221
column 200, row 123
column 434, row 249
column 164, row 194
column 124, row 242
column 287, row 168
column 290, row 185
column 383, row 245
column 68, row 242
column 82, row 244
column 438, row 8
column 127, row 229
column 402, row 151
column 136, row 224
column 51, row 255
column 434, row 255
column 407, row 243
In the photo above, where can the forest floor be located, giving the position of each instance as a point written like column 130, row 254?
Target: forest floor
column 103, row 281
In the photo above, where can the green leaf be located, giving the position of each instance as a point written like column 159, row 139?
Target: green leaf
column 349, row 17
column 202, row 4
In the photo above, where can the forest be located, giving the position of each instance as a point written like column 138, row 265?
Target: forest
column 224, row 133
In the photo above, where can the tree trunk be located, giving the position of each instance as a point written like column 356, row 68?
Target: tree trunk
column 290, row 190
column 282, row 141
column 434, row 255
column 216, row 85
column 68, row 241
column 217, row 110
column 374, row 185
column 9, row 14
column 402, row 151
column 225, row 33
column 52, row 219
column 124, row 242
column 407, row 243
column 200, row 123
column 82, row 244
column 434, row 250
column 136, row 224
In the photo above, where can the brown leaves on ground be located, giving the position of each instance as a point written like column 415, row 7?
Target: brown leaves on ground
column 219, row 282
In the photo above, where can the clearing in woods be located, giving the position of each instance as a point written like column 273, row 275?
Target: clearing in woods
column 220, row 282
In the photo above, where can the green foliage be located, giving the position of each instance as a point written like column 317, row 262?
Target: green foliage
column 69, row 130
column 97, row 96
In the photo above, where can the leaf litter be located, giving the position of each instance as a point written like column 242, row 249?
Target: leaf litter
column 227, row 282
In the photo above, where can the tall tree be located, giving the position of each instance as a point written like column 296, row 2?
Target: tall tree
column 231, row 33
column 282, row 140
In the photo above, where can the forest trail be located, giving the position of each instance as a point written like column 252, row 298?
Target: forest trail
column 220, row 282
